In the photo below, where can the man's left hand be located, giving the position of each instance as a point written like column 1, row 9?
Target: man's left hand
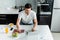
column 33, row 29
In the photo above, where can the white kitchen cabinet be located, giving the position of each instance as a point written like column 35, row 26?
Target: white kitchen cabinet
column 55, row 25
column 56, row 4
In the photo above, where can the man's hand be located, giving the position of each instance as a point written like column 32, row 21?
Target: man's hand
column 33, row 29
column 19, row 30
column 35, row 25
column 16, row 30
column 18, row 25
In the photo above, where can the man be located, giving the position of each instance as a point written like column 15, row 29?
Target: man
column 27, row 17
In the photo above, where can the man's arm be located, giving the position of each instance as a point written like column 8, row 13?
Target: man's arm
column 35, row 24
column 18, row 23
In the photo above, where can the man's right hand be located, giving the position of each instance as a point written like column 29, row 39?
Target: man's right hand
column 18, row 25
column 19, row 30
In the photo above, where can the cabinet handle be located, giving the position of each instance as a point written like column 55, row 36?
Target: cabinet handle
column 2, row 15
column 2, row 18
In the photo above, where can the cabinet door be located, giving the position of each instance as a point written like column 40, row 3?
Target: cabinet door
column 12, row 18
column 45, row 20
column 3, row 19
column 56, row 4
column 55, row 25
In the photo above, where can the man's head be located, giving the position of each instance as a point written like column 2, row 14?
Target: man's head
column 28, row 7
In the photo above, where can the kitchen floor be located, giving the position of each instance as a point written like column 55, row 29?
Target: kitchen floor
column 56, row 36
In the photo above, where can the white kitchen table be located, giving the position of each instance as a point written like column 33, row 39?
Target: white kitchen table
column 43, row 33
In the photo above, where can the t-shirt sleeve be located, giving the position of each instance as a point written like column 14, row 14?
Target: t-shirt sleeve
column 19, row 16
column 34, row 16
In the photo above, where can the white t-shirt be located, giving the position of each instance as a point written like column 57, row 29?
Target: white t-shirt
column 27, row 18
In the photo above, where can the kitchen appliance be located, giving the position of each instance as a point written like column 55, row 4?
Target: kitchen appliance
column 55, row 24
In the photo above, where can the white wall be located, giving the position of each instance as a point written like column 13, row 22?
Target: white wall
column 7, row 3
column 23, row 2
column 12, row 3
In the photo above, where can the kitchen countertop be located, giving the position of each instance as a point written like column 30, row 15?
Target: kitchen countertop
column 8, row 11
column 15, row 11
column 44, row 33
